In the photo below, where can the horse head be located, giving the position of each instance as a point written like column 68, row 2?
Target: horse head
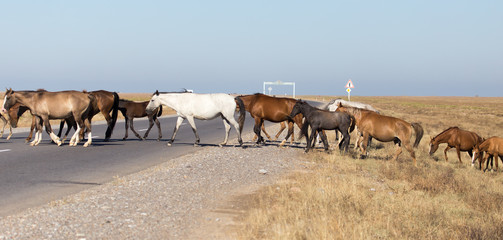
column 299, row 107
column 153, row 103
column 433, row 145
column 8, row 101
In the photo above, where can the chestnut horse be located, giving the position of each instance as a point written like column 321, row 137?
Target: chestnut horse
column 385, row 129
column 457, row 138
column 131, row 110
column 491, row 147
column 262, row 107
column 55, row 105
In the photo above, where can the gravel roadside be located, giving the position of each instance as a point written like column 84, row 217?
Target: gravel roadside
column 179, row 199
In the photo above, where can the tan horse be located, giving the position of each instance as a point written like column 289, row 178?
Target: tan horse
column 491, row 147
column 384, row 129
column 55, row 105
column 262, row 107
column 457, row 138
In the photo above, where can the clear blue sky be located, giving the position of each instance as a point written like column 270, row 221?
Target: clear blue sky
column 418, row 48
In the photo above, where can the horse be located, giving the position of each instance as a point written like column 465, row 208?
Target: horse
column 55, row 105
column 320, row 120
column 5, row 122
column 131, row 109
column 17, row 110
column 192, row 106
column 262, row 107
column 492, row 147
column 106, row 102
column 385, row 129
column 457, row 138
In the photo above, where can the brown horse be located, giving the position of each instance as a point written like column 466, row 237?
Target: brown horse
column 262, row 107
column 491, row 147
column 131, row 110
column 106, row 102
column 55, row 105
column 457, row 138
column 385, row 129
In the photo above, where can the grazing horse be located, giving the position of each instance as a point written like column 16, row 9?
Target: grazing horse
column 262, row 107
column 192, row 106
column 131, row 110
column 55, row 105
column 320, row 120
column 492, row 147
column 385, row 129
column 455, row 138
column 5, row 122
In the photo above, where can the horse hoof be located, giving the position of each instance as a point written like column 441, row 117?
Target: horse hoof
column 86, row 144
column 59, row 143
column 106, row 139
column 158, row 139
column 169, row 144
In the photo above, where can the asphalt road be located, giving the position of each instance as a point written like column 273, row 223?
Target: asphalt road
column 31, row 176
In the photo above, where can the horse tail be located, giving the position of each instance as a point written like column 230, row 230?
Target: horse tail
column 419, row 133
column 159, row 113
column 353, row 123
column 242, row 113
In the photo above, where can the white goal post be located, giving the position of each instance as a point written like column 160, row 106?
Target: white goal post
column 280, row 83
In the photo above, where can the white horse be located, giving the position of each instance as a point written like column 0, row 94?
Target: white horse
column 192, row 106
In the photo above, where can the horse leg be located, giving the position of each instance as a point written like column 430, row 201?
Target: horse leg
column 4, row 124
column 236, row 127
column 194, row 129
column 227, row 127
column 310, row 139
column 33, row 125
column 363, row 144
column 177, row 126
column 257, row 128
column 87, row 123
column 10, row 132
column 290, row 133
column 69, row 127
column 150, row 125
column 61, row 126
column 409, row 148
column 445, row 153
column 458, row 151
column 38, row 131
column 344, row 143
column 132, row 129
column 126, row 125
column 282, row 127
column 159, row 128
column 108, row 133
column 265, row 132
column 495, row 159
column 398, row 148
column 48, row 129
column 324, row 139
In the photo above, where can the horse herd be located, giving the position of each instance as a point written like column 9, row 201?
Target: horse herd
column 77, row 108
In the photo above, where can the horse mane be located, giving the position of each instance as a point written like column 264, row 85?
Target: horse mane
column 184, row 90
column 446, row 130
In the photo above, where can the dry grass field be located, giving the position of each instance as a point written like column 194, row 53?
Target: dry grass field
column 344, row 197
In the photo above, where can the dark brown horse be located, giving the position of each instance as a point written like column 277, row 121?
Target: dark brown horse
column 131, row 110
column 457, row 138
column 106, row 103
column 55, row 105
column 385, row 129
column 262, row 107
column 320, row 120
column 489, row 148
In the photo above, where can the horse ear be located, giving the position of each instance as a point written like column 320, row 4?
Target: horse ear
column 156, row 92
column 339, row 105
column 431, row 138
